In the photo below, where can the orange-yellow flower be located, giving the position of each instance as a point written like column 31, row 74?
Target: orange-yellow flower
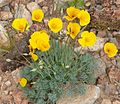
column 20, row 24
column 23, row 82
column 34, row 56
column 40, row 40
column 55, row 24
column 72, row 13
column 73, row 29
column 84, row 17
column 37, row 15
column 87, row 39
column 110, row 49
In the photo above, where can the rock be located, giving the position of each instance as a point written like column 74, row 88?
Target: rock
column 4, row 23
column 22, row 12
column 4, row 2
column 116, row 13
column 101, row 68
column 101, row 34
column 98, row 45
column 116, row 102
column 8, row 83
column 114, row 74
column 5, row 15
column 6, row 92
column 4, row 39
column 32, row 6
column 0, row 79
column 39, row 1
column 16, row 75
column 45, row 9
column 106, row 101
column 90, row 97
column 118, row 62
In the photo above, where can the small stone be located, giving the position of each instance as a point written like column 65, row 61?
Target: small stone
column 106, row 101
column 0, row 79
column 101, row 69
column 4, row 39
column 8, row 83
column 87, row 4
column 116, row 102
column 16, row 75
column 90, row 97
column 4, row 2
column 32, row 6
column 101, row 34
column 5, row 15
column 114, row 74
column 6, row 92
column 45, row 9
column 4, row 23
column 39, row 1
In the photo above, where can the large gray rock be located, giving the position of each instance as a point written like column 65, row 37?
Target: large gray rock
column 90, row 97
column 4, row 2
column 4, row 39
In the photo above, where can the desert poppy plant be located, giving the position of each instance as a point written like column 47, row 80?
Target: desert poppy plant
column 87, row 39
column 37, row 15
column 84, row 17
column 110, row 49
column 40, row 40
column 23, row 82
column 20, row 24
column 72, row 13
column 55, row 24
column 73, row 29
column 34, row 56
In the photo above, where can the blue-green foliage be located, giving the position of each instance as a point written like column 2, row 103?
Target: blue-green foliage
column 57, row 68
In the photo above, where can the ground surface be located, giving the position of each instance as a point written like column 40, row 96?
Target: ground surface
column 105, row 23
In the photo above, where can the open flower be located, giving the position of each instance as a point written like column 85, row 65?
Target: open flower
column 55, row 24
column 87, row 39
column 37, row 15
column 72, row 13
column 23, row 82
column 40, row 40
column 20, row 24
column 73, row 29
column 110, row 49
column 34, row 56
column 84, row 17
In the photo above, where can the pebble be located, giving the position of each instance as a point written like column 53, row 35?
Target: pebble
column 106, row 101
column 32, row 6
column 6, row 92
column 8, row 83
column 5, row 15
column 116, row 102
column 39, row 1
column 0, row 79
column 4, row 2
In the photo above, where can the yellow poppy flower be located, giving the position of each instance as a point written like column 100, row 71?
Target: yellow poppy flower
column 87, row 39
column 55, row 24
column 110, row 49
column 72, row 13
column 34, row 56
column 84, row 17
column 20, row 24
column 73, row 29
column 37, row 15
column 40, row 40
column 23, row 82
